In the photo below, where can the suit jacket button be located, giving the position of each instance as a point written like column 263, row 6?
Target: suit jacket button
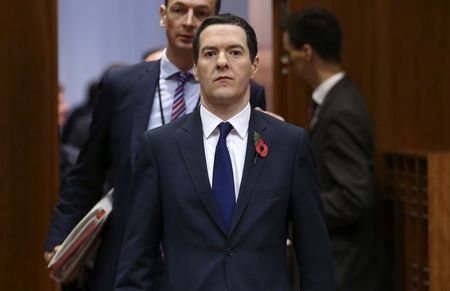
column 230, row 252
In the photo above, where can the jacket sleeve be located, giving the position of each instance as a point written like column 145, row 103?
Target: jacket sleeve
column 84, row 184
column 140, row 258
column 310, row 236
column 348, row 162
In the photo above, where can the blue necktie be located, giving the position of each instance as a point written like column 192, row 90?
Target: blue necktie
column 179, row 106
column 223, row 182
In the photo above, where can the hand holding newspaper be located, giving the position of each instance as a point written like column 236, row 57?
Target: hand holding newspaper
column 81, row 242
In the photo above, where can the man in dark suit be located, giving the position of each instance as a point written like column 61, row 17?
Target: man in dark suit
column 341, row 138
column 217, row 188
column 131, row 100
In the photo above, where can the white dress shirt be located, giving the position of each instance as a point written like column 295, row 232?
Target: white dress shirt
column 320, row 93
column 168, row 82
column 236, row 142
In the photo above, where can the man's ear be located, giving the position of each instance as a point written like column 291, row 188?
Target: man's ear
column 308, row 51
column 162, row 15
column 194, row 69
column 255, row 67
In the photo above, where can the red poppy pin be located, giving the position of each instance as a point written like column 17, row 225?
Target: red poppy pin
column 260, row 146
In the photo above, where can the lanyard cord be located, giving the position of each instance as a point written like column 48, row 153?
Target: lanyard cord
column 160, row 104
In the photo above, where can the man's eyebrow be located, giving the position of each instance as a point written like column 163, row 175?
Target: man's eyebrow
column 209, row 48
column 203, row 6
column 232, row 46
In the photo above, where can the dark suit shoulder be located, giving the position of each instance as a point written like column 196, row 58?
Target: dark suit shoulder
column 257, row 95
column 132, row 70
column 345, row 95
column 125, row 77
column 344, row 101
column 345, row 109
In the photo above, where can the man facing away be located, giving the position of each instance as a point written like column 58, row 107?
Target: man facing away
column 340, row 131
column 218, row 187
column 131, row 99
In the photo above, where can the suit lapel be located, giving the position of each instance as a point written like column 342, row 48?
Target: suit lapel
column 143, row 95
column 190, row 143
column 252, row 167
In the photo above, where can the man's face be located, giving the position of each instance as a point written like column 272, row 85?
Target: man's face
column 224, row 68
column 181, row 18
column 63, row 109
column 297, row 57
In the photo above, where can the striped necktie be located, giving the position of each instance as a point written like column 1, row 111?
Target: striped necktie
column 179, row 106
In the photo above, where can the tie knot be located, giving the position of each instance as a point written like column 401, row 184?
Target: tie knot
column 183, row 77
column 224, row 128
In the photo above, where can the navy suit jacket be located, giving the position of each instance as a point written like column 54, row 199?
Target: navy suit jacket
column 175, row 205
column 120, row 117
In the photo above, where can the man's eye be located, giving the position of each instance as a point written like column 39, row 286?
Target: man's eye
column 209, row 54
column 235, row 53
column 202, row 14
column 177, row 10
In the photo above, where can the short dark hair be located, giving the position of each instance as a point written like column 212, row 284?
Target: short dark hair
column 318, row 28
column 166, row 3
column 227, row 18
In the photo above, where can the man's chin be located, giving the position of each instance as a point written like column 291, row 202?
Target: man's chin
column 224, row 93
column 186, row 45
column 227, row 96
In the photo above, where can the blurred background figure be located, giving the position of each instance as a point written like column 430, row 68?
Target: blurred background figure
column 63, row 107
column 68, row 154
column 340, row 130
column 76, row 130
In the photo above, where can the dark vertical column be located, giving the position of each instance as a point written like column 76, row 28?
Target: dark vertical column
column 28, row 140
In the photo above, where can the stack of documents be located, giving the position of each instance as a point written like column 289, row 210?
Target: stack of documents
column 82, row 241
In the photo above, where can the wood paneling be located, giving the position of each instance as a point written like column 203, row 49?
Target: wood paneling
column 439, row 221
column 397, row 54
column 420, row 188
column 412, row 75
column 28, row 140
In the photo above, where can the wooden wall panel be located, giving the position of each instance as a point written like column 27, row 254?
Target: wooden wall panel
column 439, row 221
column 28, row 140
column 397, row 54
column 418, row 42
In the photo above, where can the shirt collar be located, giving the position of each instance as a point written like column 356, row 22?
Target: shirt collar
column 239, row 121
column 320, row 93
column 168, row 69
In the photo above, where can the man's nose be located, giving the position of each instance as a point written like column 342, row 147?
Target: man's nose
column 189, row 19
column 222, row 61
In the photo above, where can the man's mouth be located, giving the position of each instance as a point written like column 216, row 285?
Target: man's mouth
column 186, row 36
column 220, row 78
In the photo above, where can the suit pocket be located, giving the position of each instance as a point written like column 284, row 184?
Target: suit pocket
column 272, row 193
